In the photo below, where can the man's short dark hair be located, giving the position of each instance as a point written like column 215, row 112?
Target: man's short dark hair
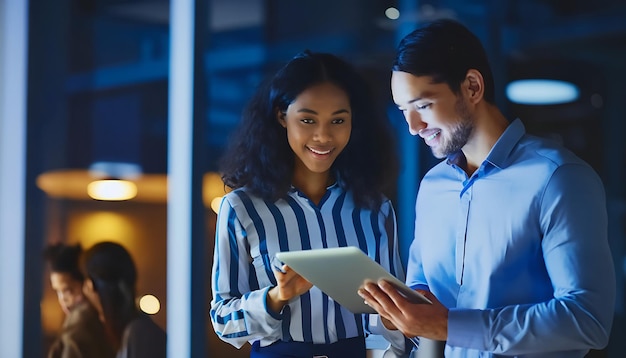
column 444, row 50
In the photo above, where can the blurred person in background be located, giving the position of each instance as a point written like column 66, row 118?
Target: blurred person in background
column 110, row 283
column 83, row 334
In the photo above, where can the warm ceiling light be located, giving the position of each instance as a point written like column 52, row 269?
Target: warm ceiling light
column 72, row 183
column 152, row 188
column 112, row 190
column 541, row 92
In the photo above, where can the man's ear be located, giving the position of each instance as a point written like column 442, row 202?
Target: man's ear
column 280, row 117
column 475, row 86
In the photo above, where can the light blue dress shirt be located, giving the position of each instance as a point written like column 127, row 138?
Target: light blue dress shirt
column 518, row 251
column 250, row 231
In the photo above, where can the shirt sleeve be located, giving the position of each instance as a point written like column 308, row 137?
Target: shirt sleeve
column 577, row 257
column 389, row 249
column 415, row 273
column 239, row 313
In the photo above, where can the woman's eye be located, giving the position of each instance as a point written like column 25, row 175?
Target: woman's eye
column 338, row 121
column 306, row 120
column 423, row 106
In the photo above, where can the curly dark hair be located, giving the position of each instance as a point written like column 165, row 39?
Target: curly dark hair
column 259, row 156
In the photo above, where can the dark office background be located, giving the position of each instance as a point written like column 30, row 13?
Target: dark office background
column 98, row 91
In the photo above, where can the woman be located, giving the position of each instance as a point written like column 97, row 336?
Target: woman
column 110, row 286
column 308, row 166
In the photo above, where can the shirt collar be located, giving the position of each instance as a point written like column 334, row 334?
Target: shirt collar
column 505, row 144
column 500, row 151
column 338, row 183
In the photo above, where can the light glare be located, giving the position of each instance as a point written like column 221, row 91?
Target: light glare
column 149, row 304
column 215, row 204
column 392, row 13
column 541, row 92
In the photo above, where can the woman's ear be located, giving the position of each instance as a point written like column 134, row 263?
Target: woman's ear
column 474, row 85
column 88, row 288
column 280, row 117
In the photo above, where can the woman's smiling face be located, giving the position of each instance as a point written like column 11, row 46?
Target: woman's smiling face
column 318, row 123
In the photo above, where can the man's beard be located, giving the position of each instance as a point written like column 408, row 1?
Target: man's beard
column 459, row 134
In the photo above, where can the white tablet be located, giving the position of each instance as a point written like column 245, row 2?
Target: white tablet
column 340, row 272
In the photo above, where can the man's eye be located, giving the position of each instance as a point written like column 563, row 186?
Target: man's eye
column 338, row 120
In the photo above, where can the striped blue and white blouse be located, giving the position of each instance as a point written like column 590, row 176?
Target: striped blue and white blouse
column 250, row 231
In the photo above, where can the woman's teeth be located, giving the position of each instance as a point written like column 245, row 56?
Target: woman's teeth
column 319, row 151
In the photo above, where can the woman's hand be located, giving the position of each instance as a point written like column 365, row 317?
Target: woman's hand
column 289, row 284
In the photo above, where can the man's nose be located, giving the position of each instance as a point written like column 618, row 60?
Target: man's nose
column 414, row 120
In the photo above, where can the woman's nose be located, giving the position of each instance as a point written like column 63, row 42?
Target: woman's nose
column 323, row 133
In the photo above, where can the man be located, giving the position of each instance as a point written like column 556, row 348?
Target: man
column 83, row 335
column 510, row 231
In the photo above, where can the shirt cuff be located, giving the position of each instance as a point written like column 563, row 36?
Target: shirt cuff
column 271, row 312
column 465, row 329
column 420, row 287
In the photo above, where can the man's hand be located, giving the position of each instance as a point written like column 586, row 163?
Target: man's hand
column 288, row 285
column 412, row 319
column 388, row 324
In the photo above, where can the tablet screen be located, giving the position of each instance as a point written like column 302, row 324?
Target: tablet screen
column 340, row 272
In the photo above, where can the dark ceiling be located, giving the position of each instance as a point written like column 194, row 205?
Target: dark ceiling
column 115, row 58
